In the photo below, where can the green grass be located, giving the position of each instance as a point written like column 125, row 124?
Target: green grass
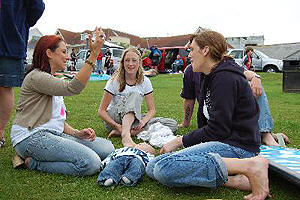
column 26, row 184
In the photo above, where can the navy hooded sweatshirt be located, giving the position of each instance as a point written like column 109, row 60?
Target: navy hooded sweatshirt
column 232, row 109
column 16, row 17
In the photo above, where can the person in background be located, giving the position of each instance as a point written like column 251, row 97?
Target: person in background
column 16, row 17
column 40, row 133
column 99, row 69
column 223, row 151
column 177, row 64
column 110, row 69
column 247, row 59
column 107, row 55
column 155, row 56
column 73, row 60
column 107, row 61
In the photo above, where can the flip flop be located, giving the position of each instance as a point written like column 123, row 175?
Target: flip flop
column 280, row 139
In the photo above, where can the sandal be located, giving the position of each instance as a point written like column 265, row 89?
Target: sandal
column 2, row 142
column 279, row 137
column 17, row 162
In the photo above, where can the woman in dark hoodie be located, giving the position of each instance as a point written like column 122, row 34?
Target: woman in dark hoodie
column 224, row 150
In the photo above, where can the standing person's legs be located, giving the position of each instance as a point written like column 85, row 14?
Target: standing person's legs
column 11, row 75
column 101, row 67
column 265, row 121
column 51, row 153
column 6, row 107
column 97, row 68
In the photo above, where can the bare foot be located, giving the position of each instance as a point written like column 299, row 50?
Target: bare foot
column 114, row 133
column 238, row 181
column 268, row 139
column 257, row 174
column 128, row 142
column 27, row 160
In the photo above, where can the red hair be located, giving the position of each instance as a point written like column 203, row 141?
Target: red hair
column 40, row 58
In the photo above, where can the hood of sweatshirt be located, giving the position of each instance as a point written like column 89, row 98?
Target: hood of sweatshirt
column 228, row 64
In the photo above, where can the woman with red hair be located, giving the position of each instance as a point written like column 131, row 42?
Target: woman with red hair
column 40, row 134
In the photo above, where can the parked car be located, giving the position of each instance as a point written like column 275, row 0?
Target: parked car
column 82, row 55
column 260, row 61
column 168, row 56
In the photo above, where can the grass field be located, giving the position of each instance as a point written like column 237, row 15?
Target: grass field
column 26, row 184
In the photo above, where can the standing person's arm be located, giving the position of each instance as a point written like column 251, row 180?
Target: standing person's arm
column 188, row 93
column 35, row 9
column 255, row 81
column 188, row 108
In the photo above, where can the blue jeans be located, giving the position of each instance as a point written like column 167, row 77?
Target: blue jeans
column 123, row 166
column 98, row 68
column 265, row 121
column 198, row 165
column 55, row 152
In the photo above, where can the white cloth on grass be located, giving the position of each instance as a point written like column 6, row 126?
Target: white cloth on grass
column 157, row 135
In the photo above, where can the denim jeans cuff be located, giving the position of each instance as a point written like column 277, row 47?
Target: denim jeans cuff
column 102, row 179
column 222, row 170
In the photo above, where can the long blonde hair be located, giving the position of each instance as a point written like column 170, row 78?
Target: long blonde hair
column 119, row 75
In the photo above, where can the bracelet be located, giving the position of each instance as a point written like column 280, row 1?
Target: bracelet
column 90, row 63
column 74, row 132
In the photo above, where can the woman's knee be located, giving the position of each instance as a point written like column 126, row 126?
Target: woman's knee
column 89, row 165
column 107, row 148
column 165, row 171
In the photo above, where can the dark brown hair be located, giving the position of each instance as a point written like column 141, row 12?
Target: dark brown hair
column 249, row 49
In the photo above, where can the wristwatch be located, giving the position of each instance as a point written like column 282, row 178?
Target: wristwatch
column 255, row 75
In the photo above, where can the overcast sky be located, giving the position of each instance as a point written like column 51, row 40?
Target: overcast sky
column 277, row 20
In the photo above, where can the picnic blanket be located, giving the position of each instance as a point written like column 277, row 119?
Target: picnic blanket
column 284, row 161
column 99, row 77
column 93, row 77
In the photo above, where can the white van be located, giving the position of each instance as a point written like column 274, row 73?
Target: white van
column 116, row 54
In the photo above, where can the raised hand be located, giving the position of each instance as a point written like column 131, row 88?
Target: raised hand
column 95, row 46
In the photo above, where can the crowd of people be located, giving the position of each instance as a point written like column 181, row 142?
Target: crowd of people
column 222, row 151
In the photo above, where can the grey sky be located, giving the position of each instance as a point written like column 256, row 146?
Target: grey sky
column 277, row 20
